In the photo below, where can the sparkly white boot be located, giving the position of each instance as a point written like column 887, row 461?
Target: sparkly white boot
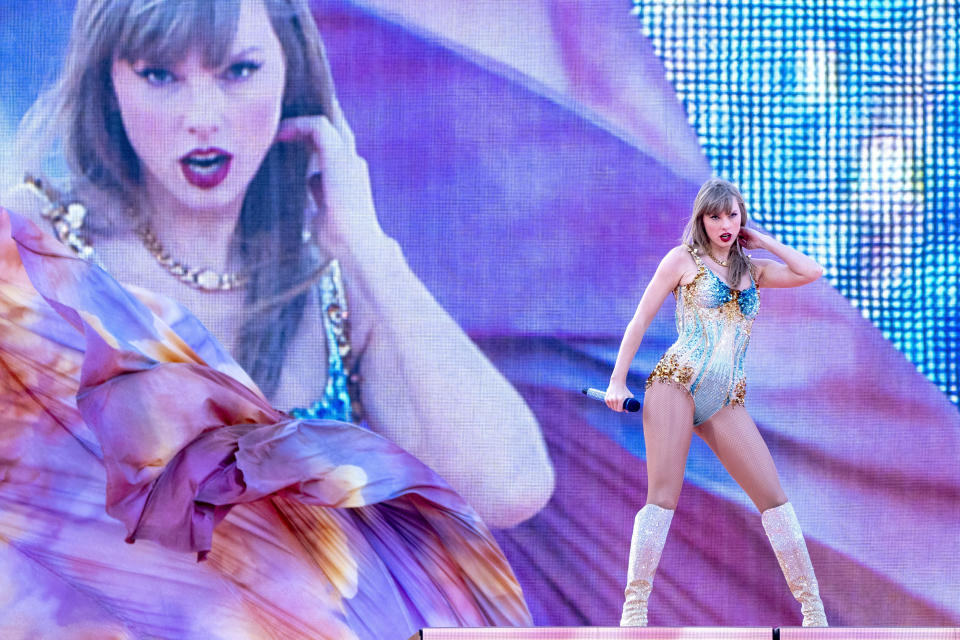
column 782, row 528
column 649, row 535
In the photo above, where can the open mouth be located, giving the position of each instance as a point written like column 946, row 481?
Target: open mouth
column 725, row 237
column 206, row 168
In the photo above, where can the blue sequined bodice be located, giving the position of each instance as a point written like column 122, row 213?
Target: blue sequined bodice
column 335, row 403
column 713, row 327
column 711, row 292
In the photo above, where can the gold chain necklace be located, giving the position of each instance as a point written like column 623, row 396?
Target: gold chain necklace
column 722, row 263
column 202, row 279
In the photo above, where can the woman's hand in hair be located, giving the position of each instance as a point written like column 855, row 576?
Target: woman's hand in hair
column 339, row 183
column 751, row 239
column 415, row 359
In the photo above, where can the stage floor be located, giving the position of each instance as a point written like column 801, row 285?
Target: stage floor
column 693, row 633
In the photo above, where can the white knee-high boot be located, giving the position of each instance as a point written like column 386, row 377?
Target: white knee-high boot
column 649, row 535
column 785, row 536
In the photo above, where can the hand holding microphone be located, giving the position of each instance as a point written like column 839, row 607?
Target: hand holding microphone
column 630, row 403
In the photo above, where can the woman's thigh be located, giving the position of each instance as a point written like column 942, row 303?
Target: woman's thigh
column 736, row 440
column 667, row 431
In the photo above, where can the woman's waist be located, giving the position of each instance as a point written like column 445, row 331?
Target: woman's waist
column 713, row 321
column 705, row 342
column 700, row 356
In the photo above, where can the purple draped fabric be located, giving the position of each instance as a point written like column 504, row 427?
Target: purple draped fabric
column 115, row 429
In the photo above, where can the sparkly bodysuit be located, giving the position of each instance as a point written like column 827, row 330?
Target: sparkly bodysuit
column 713, row 323
column 336, row 402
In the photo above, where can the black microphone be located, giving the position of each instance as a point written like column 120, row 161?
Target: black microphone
column 630, row 404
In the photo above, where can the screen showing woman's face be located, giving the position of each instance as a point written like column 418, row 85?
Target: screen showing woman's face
column 201, row 133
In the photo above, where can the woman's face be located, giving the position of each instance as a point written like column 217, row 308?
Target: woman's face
column 723, row 226
column 200, row 133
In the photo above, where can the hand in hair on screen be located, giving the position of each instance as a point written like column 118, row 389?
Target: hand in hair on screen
column 416, row 360
column 200, row 148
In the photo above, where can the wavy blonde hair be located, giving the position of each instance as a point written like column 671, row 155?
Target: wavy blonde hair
column 79, row 118
column 714, row 197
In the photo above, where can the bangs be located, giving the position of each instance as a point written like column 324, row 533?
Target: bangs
column 716, row 199
column 163, row 32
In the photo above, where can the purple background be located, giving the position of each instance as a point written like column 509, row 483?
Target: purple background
column 535, row 164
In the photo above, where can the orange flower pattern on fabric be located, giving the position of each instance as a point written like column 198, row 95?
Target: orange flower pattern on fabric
column 116, row 428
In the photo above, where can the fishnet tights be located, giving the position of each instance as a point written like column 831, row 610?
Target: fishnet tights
column 731, row 433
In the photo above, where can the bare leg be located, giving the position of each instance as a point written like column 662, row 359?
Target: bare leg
column 667, row 430
column 734, row 437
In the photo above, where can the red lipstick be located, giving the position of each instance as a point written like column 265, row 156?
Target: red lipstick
column 725, row 237
column 206, row 168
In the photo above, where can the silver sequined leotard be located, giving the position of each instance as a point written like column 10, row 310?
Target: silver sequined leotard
column 713, row 323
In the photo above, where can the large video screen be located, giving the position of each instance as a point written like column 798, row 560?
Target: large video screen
column 534, row 160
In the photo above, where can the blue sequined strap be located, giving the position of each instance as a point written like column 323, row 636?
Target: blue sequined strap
column 337, row 401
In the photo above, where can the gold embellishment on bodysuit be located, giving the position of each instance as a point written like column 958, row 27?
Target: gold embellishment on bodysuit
column 669, row 369
column 341, row 395
column 731, row 308
column 739, row 393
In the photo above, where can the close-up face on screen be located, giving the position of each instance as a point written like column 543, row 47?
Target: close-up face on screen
column 303, row 298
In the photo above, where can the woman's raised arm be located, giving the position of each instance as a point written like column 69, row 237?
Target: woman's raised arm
column 425, row 384
column 799, row 269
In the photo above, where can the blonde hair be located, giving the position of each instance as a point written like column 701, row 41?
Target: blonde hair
column 714, row 198
column 79, row 118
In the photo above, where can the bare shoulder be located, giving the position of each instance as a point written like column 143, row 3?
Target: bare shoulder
column 679, row 264
column 679, row 256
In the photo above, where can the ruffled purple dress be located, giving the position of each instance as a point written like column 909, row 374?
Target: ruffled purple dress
column 116, row 429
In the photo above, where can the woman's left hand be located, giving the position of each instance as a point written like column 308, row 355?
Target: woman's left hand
column 339, row 182
column 752, row 239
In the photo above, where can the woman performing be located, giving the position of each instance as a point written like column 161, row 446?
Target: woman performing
column 698, row 386
column 211, row 169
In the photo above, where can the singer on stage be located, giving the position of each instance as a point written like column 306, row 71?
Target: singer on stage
column 698, row 386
